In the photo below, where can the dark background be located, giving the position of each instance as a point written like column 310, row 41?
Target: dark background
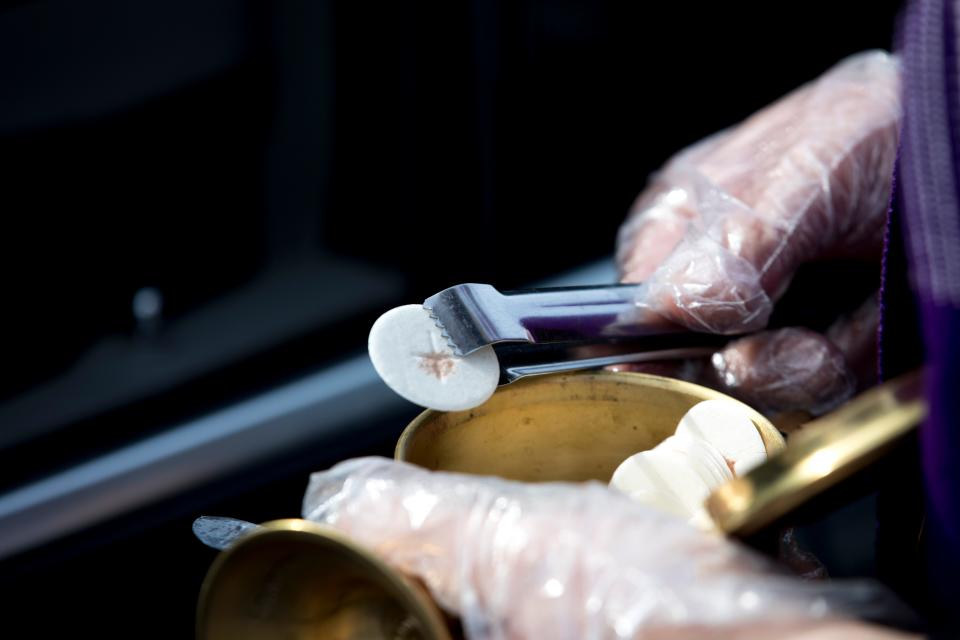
column 280, row 173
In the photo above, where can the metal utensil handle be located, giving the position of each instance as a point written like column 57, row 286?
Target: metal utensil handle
column 512, row 373
column 568, row 314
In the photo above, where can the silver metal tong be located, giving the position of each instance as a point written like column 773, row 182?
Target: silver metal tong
column 539, row 331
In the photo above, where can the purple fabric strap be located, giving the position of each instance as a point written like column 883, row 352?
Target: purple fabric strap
column 929, row 181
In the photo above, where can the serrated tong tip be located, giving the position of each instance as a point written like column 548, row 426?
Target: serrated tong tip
column 443, row 331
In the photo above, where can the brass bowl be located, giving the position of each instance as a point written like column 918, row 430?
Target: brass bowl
column 297, row 579
column 572, row 427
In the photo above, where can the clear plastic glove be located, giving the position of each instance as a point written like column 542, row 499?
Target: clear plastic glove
column 579, row 561
column 721, row 230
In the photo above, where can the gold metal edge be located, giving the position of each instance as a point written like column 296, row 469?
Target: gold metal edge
column 824, row 453
column 426, row 609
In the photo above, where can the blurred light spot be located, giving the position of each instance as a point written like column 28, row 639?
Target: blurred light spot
column 675, row 197
column 553, row 588
column 418, row 506
column 147, row 304
column 820, row 463
column 749, row 600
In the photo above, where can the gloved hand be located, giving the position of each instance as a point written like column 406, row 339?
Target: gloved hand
column 721, row 230
column 579, row 561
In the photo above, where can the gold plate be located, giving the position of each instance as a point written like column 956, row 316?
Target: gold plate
column 820, row 456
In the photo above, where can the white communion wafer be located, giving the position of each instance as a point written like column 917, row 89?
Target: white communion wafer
column 725, row 425
column 703, row 457
column 663, row 478
column 640, row 480
column 410, row 353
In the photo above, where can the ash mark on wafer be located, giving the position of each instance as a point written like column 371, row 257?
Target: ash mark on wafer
column 730, row 466
column 437, row 363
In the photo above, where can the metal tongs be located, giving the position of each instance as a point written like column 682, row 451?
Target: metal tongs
column 539, row 331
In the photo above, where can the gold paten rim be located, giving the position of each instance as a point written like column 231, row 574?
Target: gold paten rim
column 824, row 453
column 423, row 605
column 764, row 425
